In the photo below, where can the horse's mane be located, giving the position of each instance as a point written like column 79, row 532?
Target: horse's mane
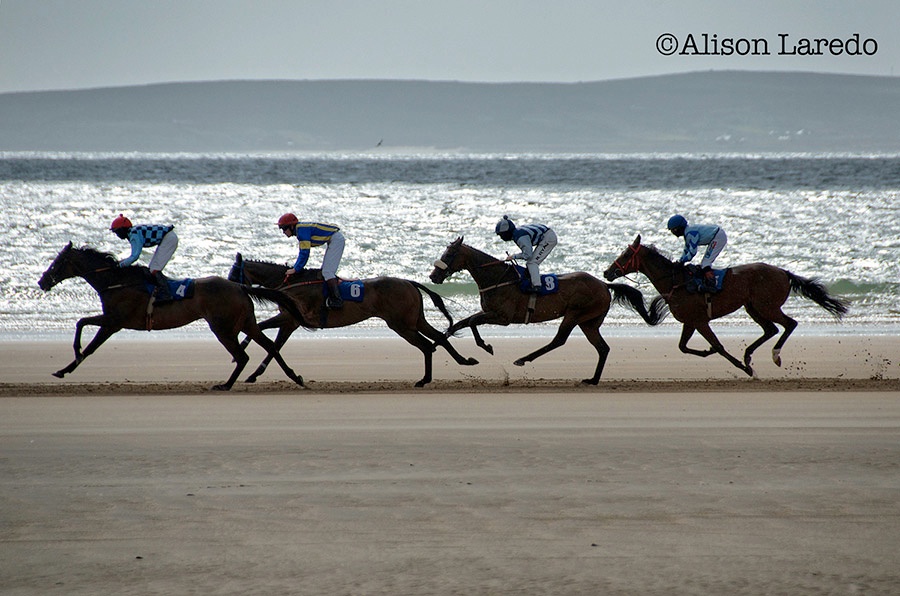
column 655, row 250
column 266, row 263
column 104, row 258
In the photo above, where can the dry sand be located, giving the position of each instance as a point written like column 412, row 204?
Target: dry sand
column 676, row 475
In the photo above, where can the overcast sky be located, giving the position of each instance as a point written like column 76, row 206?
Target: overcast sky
column 73, row 44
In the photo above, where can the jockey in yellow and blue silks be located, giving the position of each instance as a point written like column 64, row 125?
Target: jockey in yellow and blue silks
column 313, row 234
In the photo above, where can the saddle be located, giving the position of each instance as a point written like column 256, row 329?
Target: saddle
column 701, row 283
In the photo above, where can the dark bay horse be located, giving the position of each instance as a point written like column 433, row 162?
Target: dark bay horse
column 226, row 306
column 582, row 301
column 396, row 301
column 760, row 288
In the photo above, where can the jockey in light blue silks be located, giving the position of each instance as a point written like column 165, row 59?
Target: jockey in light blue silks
column 535, row 241
column 713, row 237
column 161, row 236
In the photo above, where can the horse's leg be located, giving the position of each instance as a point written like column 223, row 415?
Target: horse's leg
column 440, row 339
column 271, row 323
column 687, row 332
column 708, row 334
column 789, row 325
column 97, row 320
column 420, row 341
column 103, row 334
column 472, row 322
column 562, row 334
column 273, row 351
column 238, row 355
column 769, row 331
column 283, row 334
column 591, row 330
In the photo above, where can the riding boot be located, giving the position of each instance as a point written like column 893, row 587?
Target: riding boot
column 162, row 287
column 334, row 301
column 709, row 279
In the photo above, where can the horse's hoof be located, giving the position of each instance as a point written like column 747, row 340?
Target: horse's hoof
column 59, row 374
column 749, row 371
column 489, row 349
column 299, row 381
column 471, row 362
column 251, row 379
column 222, row 387
column 519, row 362
column 590, row 381
column 776, row 357
column 422, row 383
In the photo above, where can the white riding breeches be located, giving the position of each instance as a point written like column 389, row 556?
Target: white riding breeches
column 538, row 254
column 715, row 247
column 164, row 251
column 334, row 250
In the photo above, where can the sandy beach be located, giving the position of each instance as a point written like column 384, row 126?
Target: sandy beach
column 676, row 475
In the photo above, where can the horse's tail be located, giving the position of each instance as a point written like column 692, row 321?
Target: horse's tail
column 818, row 293
column 629, row 296
column 436, row 298
column 260, row 293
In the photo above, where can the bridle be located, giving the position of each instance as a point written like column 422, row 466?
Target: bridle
column 633, row 260
column 445, row 266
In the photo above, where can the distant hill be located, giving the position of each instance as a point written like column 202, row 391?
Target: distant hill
column 695, row 112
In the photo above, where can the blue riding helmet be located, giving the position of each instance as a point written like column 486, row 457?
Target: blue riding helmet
column 677, row 221
column 505, row 227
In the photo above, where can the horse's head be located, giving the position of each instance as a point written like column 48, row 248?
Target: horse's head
column 61, row 269
column 627, row 262
column 450, row 262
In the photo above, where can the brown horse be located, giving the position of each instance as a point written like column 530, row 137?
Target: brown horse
column 397, row 301
column 226, row 306
column 760, row 288
column 582, row 300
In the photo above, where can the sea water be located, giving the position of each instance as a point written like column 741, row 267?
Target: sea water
column 834, row 217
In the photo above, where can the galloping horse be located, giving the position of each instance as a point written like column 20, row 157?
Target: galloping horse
column 226, row 306
column 397, row 301
column 760, row 288
column 582, row 300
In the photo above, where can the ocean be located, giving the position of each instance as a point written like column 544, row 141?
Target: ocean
column 834, row 217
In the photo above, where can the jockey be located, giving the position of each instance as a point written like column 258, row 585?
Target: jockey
column 535, row 241
column 713, row 237
column 148, row 235
column 311, row 234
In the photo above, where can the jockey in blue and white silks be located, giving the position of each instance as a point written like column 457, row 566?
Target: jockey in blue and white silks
column 148, row 235
column 713, row 237
column 312, row 234
column 535, row 241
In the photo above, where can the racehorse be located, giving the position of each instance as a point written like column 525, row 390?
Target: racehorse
column 226, row 306
column 582, row 300
column 760, row 288
column 397, row 301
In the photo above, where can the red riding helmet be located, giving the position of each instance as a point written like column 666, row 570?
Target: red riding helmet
column 120, row 222
column 288, row 219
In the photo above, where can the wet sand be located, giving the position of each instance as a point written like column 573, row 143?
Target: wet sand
column 675, row 475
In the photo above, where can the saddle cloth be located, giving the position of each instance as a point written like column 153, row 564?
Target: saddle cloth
column 549, row 282
column 354, row 291
column 180, row 289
